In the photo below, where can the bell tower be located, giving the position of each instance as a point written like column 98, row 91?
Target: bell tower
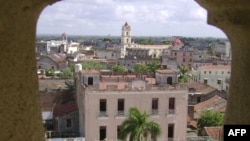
column 125, row 37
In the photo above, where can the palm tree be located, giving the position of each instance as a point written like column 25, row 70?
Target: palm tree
column 138, row 128
column 182, row 73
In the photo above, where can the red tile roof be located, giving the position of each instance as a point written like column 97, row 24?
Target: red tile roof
column 59, row 58
column 200, row 87
column 216, row 103
column 66, row 108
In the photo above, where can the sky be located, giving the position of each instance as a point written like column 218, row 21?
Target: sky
column 146, row 18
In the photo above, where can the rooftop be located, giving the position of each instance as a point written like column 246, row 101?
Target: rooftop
column 226, row 67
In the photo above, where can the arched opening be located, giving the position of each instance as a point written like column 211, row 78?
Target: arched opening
column 23, row 114
column 169, row 80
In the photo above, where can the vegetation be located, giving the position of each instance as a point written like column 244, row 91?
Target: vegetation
column 210, row 118
column 70, row 84
column 118, row 69
column 92, row 65
column 182, row 73
column 211, row 50
column 138, row 128
column 50, row 72
column 140, row 68
column 153, row 66
column 166, row 42
column 147, row 41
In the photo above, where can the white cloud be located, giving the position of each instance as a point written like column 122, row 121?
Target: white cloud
column 107, row 16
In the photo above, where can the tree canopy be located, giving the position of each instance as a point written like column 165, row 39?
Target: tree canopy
column 182, row 73
column 138, row 128
column 92, row 65
column 153, row 66
column 118, row 68
column 210, row 118
column 138, row 68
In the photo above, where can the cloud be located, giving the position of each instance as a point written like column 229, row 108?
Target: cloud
column 101, row 17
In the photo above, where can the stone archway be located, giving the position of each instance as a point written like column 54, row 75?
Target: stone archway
column 20, row 118
column 234, row 19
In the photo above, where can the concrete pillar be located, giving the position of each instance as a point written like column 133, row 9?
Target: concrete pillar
column 20, row 116
column 232, row 16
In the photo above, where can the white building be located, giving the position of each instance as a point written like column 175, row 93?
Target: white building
column 215, row 76
column 104, row 102
column 155, row 51
column 72, row 47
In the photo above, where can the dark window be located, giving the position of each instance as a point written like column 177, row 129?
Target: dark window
column 170, row 130
column 48, row 124
column 171, row 105
column 198, row 99
column 154, row 105
column 218, row 82
column 120, row 106
column 102, row 133
column 205, row 81
column 103, row 107
column 184, row 60
column 90, row 80
column 68, row 123
column 170, row 80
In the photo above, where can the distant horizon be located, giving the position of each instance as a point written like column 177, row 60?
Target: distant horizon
column 58, row 35
column 183, row 18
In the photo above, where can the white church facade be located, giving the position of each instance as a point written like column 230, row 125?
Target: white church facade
column 155, row 51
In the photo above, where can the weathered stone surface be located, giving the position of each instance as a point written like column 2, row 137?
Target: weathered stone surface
column 20, row 118
column 232, row 16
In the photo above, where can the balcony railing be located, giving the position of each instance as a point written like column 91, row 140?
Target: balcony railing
column 120, row 113
column 103, row 114
column 155, row 111
column 170, row 139
column 171, row 111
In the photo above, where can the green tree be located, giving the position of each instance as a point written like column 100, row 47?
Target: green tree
column 182, row 73
column 67, row 73
column 211, row 50
column 92, row 65
column 140, row 68
column 153, row 66
column 119, row 69
column 50, row 72
column 138, row 128
column 210, row 118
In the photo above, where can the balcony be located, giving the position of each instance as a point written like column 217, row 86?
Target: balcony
column 103, row 114
column 171, row 111
column 155, row 111
column 120, row 113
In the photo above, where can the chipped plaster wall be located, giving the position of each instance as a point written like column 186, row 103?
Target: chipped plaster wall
column 20, row 118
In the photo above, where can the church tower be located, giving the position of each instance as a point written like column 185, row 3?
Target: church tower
column 125, row 39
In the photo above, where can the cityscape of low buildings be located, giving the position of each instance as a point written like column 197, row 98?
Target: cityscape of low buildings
column 96, row 101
